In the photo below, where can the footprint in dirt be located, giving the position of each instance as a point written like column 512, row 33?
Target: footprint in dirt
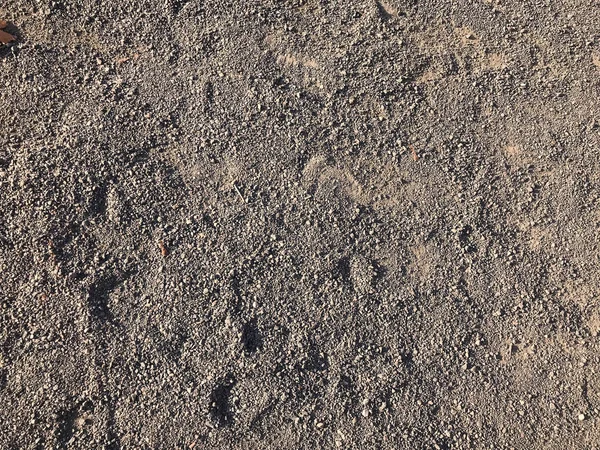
column 99, row 296
column 220, row 411
column 73, row 422
column 251, row 337
column 100, row 292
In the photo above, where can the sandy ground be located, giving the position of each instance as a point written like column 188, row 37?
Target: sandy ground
column 300, row 224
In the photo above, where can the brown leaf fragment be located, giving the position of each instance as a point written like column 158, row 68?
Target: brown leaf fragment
column 124, row 59
column 3, row 24
column 5, row 38
column 163, row 248
column 414, row 153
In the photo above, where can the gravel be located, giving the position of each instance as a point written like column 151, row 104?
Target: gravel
column 225, row 224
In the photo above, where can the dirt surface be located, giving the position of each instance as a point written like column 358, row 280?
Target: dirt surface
column 300, row 224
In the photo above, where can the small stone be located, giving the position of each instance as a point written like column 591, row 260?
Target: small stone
column 581, row 417
column 365, row 412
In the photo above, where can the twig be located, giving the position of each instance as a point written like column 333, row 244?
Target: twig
column 238, row 192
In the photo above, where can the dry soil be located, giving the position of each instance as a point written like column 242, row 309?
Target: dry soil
column 300, row 224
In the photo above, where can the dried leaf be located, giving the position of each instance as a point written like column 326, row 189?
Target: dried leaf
column 163, row 249
column 5, row 38
column 3, row 24
column 414, row 153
